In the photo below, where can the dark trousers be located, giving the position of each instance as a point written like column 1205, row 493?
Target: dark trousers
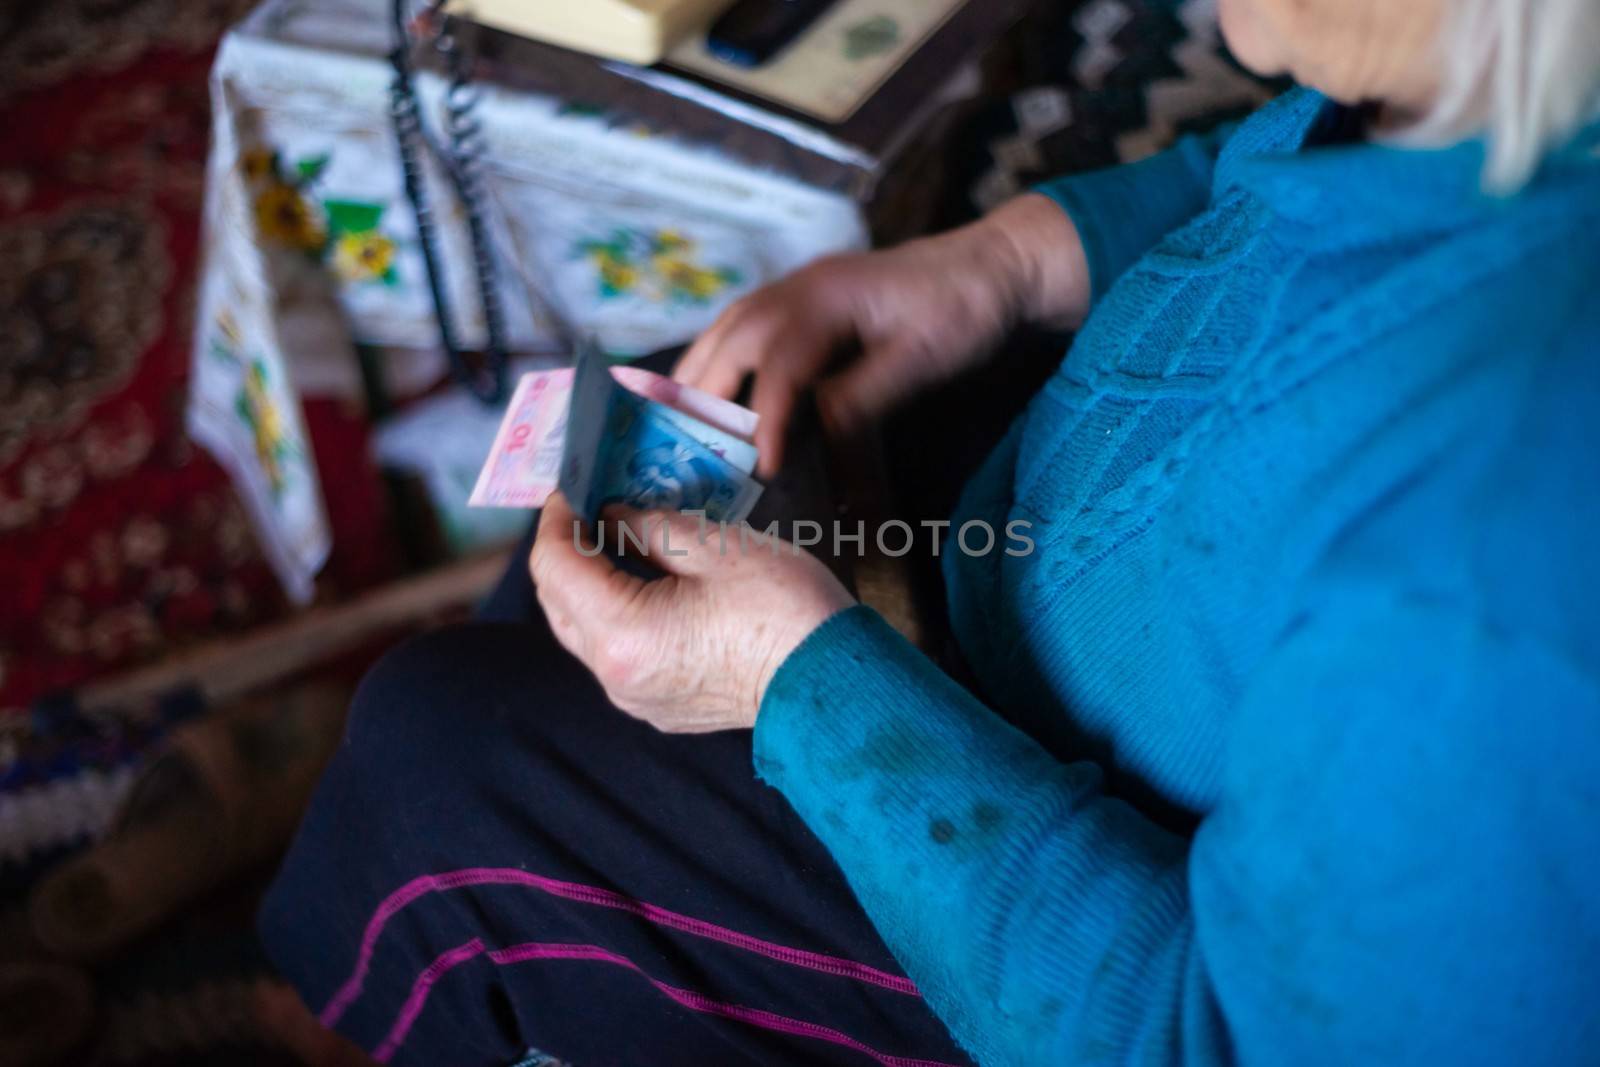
column 499, row 860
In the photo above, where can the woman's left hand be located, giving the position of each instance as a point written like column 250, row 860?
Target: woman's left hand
column 691, row 652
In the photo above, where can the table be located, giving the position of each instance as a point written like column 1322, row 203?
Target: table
column 607, row 216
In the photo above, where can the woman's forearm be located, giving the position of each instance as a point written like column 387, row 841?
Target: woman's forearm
column 1001, row 878
column 1047, row 268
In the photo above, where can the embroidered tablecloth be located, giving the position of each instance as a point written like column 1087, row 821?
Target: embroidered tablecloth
column 599, row 222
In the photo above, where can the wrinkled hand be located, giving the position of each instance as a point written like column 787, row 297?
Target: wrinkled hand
column 913, row 316
column 694, row 651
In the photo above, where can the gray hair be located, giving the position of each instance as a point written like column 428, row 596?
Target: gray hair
column 1525, row 73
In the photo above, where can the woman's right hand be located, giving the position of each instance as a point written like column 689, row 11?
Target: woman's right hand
column 911, row 316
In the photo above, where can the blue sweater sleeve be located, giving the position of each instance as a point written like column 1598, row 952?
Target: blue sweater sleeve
column 1121, row 212
column 1356, row 896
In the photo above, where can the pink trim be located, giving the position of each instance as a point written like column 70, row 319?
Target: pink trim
column 536, row 950
column 418, row 996
column 766, row 1020
column 604, row 898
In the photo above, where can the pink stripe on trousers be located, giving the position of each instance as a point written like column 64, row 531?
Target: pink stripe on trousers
column 535, row 950
column 594, row 895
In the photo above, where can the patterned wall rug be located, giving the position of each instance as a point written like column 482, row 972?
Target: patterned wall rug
column 1101, row 82
column 120, row 541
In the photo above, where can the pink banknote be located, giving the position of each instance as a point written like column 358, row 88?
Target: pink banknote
column 524, row 464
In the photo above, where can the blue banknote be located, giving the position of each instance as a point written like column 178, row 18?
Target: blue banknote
column 620, row 446
column 653, row 462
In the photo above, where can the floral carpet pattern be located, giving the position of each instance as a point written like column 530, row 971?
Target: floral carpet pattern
column 119, row 540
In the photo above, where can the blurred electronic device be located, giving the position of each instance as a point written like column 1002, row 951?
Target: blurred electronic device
column 638, row 31
column 753, row 31
column 834, row 109
column 831, row 62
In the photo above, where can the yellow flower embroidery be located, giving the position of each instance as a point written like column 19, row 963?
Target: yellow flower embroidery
column 284, row 217
column 663, row 266
column 363, row 256
column 265, row 421
column 260, row 163
column 616, row 276
column 228, row 326
column 686, row 278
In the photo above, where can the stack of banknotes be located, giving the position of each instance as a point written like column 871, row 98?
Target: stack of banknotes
column 603, row 434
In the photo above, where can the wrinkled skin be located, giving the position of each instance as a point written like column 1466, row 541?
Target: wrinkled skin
column 691, row 652
column 1352, row 50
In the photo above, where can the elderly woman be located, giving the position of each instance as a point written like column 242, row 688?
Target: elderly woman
column 1281, row 743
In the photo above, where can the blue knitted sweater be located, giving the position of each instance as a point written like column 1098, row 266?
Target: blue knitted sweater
column 1288, row 743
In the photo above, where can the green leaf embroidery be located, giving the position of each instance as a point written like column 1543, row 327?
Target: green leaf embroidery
column 311, row 168
column 352, row 216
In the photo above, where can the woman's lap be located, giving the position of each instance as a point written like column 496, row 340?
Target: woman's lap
column 519, row 864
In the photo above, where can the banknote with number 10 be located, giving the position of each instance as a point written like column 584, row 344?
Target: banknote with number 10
column 641, row 439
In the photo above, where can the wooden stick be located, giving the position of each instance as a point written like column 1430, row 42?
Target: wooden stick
column 227, row 669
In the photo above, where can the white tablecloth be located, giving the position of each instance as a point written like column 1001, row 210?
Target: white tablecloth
column 630, row 234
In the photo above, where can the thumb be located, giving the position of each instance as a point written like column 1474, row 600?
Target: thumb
column 867, row 388
column 676, row 543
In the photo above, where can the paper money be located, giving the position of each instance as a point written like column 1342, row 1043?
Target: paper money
column 724, row 415
column 653, row 463
column 525, row 460
column 653, row 443
column 585, row 448
column 737, row 451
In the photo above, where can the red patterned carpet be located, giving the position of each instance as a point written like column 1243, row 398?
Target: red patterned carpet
column 119, row 540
